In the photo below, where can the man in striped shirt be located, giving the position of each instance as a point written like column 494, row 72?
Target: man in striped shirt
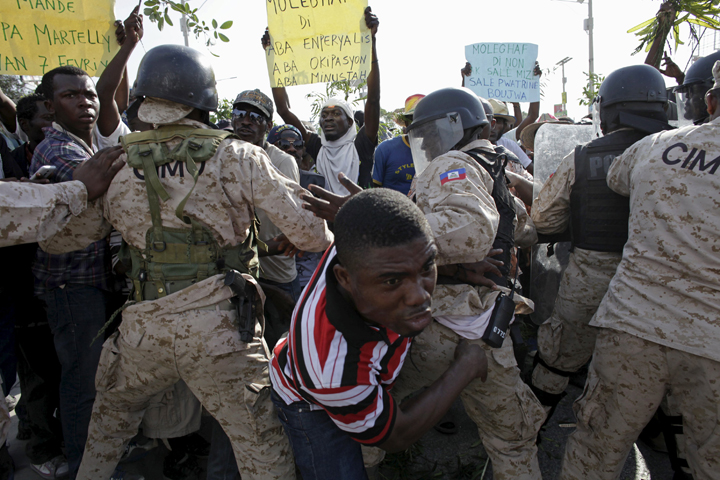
column 350, row 335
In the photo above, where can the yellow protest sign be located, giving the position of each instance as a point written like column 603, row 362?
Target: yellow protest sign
column 39, row 35
column 314, row 41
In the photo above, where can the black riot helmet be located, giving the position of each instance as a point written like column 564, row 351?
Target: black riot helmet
column 440, row 121
column 691, row 94
column 634, row 97
column 179, row 74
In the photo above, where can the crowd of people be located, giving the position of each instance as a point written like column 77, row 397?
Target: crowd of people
column 326, row 296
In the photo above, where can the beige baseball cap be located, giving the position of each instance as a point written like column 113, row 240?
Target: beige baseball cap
column 500, row 110
column 159, row 111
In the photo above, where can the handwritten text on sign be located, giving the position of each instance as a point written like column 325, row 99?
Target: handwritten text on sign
column 39, row 35
column 503, row 71
column 317, row 41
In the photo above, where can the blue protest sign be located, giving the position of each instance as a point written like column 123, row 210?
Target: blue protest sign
column 503, row 71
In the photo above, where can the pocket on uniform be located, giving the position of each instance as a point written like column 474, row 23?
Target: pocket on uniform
column 549, row 339
column 106, row 376
column 587, row 408
column 261, row 411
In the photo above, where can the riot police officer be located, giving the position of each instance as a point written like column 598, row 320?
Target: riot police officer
column 461, row 188
column 691, row 94
column 632, row 104
column 185, row 207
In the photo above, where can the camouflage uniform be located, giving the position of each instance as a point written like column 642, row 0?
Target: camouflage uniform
column 464, row 220
column 30, row 212
column 659, row 319
column 192, row 334
column 566, row 340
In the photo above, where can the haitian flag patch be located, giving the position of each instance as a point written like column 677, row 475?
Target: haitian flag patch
column 458, row 174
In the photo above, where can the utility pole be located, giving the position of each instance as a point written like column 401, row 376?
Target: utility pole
column 588, row 26
column 562, row 63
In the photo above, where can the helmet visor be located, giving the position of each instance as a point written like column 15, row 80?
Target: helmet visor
column 595, row 115
column 431, row 139
column 691, row 105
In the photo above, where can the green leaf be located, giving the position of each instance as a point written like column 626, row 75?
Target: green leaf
column 642, row 25
column 161, row 24
column 226, row 25
column 214, row 23
column 701, row 23
column 223, row 38
column 148, row 11
column 215, row 34
column 167, row 20
column 177, row 8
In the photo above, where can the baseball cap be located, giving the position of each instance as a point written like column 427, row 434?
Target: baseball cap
column 257, row 99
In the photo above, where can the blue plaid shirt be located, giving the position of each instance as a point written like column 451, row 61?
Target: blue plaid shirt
column 89, row 266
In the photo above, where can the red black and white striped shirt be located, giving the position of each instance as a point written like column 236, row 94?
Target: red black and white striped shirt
column 334, row 359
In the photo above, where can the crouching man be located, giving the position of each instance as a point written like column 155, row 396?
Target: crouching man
column 349, row 337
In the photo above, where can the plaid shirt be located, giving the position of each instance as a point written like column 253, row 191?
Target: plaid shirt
column 91, row 265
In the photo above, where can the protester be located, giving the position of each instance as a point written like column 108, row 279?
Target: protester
column 341, row 148
column 28, row 335
column 394, row 166
column 289, row 139
column 73, row 285
column 370, row 298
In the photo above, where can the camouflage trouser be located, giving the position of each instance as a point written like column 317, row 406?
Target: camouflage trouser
column 506, row 412
column 566, row 340
column 190, row 335
column 628, row 379
column 172, row 413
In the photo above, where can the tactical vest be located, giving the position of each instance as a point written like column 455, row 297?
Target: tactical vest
column 175, row 258
column 599, row 216
column 505, row 237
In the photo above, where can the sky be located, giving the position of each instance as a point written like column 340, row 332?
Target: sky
column 421, row 43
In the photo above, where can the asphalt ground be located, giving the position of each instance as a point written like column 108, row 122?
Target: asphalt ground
column 435, row 456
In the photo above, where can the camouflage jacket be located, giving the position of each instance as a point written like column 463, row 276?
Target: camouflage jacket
column 667, row 286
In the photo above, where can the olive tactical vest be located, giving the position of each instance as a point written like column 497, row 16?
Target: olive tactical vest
column 175, row 258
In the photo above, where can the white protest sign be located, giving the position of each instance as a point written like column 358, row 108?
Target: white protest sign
column 503, row 71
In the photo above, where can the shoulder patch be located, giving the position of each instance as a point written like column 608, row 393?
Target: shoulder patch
column 449, row 176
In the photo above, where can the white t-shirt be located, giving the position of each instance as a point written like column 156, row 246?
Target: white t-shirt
column 515, row 148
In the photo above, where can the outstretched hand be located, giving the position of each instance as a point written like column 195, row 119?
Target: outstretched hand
column 466, row 71
column 326, row 204
column 98, row 172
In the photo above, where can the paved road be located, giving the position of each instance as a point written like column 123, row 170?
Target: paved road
column 436, row 456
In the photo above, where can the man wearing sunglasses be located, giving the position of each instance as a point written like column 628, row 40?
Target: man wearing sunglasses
column 252, row 114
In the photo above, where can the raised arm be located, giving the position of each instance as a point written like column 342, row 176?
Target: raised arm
column 533, row 111
column 372, row 104
column 282, row 102
column 7, row 112
column 466, row 71
column 128, row 36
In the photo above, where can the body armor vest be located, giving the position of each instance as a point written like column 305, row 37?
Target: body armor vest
column 175, row 258
column 494, row 164
column 599, row 216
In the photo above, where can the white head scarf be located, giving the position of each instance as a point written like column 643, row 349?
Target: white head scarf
column 339, row 155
